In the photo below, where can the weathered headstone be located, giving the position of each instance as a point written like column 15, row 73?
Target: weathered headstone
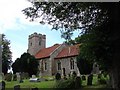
column 78, row 82
column 35, row 88
column 2, row 85
column 2, row 76
column 33, row 76
column 18, row 76
column 17, row 87
column 89, row 80
column 34, row 79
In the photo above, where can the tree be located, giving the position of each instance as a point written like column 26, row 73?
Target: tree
column 98, row 21
column 6, row 54
column 26, row 63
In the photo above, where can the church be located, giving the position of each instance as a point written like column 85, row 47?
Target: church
column 59, row 58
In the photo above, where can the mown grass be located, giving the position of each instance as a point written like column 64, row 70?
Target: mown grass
column 27, row 84
column 50, row 84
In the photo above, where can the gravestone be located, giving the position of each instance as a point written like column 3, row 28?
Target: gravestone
column 89, row 80
column 2, row 85
column 19, row 78
column 34, row 79
column 2, row 76
column 33, row 76
column 35, row 88
column 17, row 87
column 78, row 82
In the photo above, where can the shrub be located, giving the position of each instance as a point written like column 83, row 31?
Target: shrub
column 74, row 74
column 14, row 77
column 102, row 81
column 83, row 77
column 58, row 76
column 69, row 83
column 8, row 77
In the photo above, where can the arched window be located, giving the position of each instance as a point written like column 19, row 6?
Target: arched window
column 59, row 65
column 39, row 42
column 71, row 63
column 45, row 65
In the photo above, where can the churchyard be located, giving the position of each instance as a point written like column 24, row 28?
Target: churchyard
column 51, row 82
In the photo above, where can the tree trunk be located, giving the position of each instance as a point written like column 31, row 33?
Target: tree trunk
column 115, row 76
column 115, row 28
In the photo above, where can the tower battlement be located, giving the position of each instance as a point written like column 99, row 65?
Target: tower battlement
column 36, row 42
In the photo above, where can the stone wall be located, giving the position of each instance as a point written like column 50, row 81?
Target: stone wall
column 42, row 71
column 52, row 56
column 65, row 63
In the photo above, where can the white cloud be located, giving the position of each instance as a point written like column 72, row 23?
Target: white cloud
column 10, row 11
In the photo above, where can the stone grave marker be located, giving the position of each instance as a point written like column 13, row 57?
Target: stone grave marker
column 33, row 76
column 18, row 76
column 34, row 79
column 2, row 85
column 17, row 87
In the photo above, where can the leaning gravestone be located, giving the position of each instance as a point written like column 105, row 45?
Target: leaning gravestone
column 17, row 87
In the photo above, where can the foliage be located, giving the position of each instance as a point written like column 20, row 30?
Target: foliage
column 28, row 85
column 69, row 83
column 84, row 65
column 58, row 76
column 26, row 63
column 14, row 77
column 8, row 77
column 6, row 54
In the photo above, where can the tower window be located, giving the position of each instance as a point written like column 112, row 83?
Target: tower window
column 71, row 64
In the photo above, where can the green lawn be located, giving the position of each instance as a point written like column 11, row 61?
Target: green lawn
column 27, row 84
column 49, row 84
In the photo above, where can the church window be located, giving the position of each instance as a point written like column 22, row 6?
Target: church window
column 39, row 42
column 59, row 65
column 45, row 66
column 71, row 64
column 31, row 43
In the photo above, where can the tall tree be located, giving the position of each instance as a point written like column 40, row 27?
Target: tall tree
column 98, row 21
column 26, row 63
column 6, row 54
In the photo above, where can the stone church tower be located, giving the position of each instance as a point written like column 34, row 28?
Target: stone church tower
column 36, row 42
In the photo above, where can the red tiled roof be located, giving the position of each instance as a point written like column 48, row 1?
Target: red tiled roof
column 68, row 52
column 44, row 53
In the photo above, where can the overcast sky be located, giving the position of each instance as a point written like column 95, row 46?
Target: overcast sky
column 17, row 28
